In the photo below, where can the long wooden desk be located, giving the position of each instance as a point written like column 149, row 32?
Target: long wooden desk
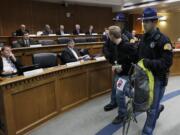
column 25, row 54
column 26, row 102
column 8, row 39
column 175, row 69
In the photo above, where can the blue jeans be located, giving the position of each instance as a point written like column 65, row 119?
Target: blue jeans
column 154, row 110
column 113, row 92
column 121, row 96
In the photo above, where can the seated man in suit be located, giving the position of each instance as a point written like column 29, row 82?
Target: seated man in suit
column 91, row 30
column 77, row 30
column 8, row 63
column 105, row 34
column 70, row 53
column 47, row 30
column 26, row 41
column 22, row 30
column 60, row 31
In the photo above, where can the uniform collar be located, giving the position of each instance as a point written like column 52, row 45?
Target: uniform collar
column 151, row 34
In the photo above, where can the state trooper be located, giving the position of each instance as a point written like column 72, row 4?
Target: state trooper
column 157, row 53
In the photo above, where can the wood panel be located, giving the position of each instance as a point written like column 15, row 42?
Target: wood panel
column 137, row 25
column 97, row 82
column 73, row 89
column 36, row 14
column 32, row 107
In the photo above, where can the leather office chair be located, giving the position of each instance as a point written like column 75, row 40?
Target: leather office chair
column 1, row 44
column 63, row 40
column 80, row 40
column 91, row 39
column 15, row 44
column 45, row 60
column 47, row 42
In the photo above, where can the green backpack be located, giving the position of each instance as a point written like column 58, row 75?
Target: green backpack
column 142, row 81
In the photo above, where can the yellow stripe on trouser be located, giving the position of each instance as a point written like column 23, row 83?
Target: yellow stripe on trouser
column 151, row 81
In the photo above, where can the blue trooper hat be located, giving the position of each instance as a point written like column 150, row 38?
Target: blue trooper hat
column 120, row 17
column 149, row 14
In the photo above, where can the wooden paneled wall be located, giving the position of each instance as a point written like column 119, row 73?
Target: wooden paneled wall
column 135, row 24
column 36, row 14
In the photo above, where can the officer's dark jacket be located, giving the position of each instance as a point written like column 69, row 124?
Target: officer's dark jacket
column 127, row 35
column 157, row 57
column 124, row 54
column 108, row 49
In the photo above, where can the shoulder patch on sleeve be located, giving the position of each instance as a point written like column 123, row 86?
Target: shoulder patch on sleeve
column 168, row 47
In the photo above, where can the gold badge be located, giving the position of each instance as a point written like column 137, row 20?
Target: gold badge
column 168, row 47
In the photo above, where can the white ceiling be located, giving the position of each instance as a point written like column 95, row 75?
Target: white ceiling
column 109, row 3
column 168, row 5
column 162, row 6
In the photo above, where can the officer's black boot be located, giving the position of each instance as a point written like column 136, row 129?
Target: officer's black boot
column 110, row 107
column 161, row 109
column 118, row 120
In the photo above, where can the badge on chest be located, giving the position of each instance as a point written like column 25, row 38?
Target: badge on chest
column 152, row 45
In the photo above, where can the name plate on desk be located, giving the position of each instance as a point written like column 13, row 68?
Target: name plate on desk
column 71, row 64
column 100, row 58
column 94, row 34
column 82, row 34
column 52, row 35
column 33, row 72
column 66, row 34
column 37, row 45
column 33, row 35
column 39, row 33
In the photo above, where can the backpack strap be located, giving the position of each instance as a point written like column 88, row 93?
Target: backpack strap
column 151, row 81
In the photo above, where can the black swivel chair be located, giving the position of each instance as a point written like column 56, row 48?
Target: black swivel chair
column 91, row 39
column 80, row 40
column 45, row 60
column 1, row 44
column 63, row 40
column 47, row 42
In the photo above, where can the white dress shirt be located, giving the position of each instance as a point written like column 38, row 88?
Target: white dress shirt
column 26, row 41
column 74, row 53
column 62, row 32
column 8, row 66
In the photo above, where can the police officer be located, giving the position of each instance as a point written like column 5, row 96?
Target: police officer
column 108, row 50
column 156, row 51
column 120, row 20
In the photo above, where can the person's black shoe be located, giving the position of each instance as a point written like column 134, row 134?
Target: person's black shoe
column 118, row 120
column 160, row 111
column 110, row 107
